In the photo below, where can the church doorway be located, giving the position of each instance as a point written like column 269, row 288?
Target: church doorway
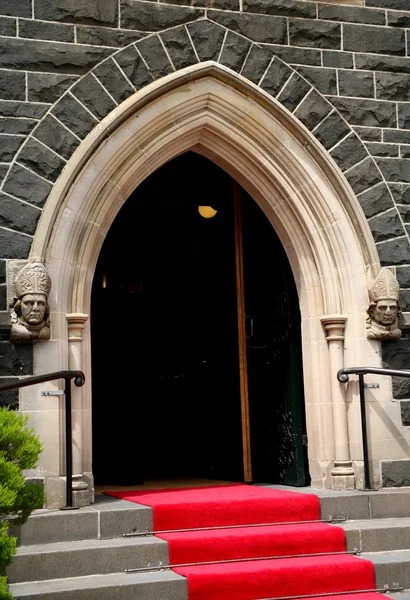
column 203, row 375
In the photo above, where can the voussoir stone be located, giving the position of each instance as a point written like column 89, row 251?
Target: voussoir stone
column 133, row 66
column 349, row 152
column 74, row 116
column 363, row 176
column 17, row 215
column 179, row 47
column 234, row 51
column 324, row 80
column 154, row 55
column 275, row 77
column 90, row 92
column 386, row 226
column 207, row 38
column 332, row 130
column 111, row 77
column 376, row 200
column 312, row 110
column 27, row 185
column 256, row 63
column 41, row 160
column 294, row 92
column 394, row 252
column 56, row 137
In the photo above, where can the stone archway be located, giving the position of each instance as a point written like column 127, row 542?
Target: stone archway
column 208, row 108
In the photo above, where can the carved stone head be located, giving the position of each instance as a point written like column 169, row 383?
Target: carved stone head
column 384, row 308
column 30, row 308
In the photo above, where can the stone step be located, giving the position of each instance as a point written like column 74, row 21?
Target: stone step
column 162, row 585
column 86, row 557
column 391, row 568
column 107, row 518
column 377, row 535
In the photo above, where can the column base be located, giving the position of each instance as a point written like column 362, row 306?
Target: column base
column 342, row 476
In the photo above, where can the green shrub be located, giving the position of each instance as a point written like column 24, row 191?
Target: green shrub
column 19, row 450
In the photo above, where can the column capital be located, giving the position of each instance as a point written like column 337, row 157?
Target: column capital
column 76, row 322
column 334, row 326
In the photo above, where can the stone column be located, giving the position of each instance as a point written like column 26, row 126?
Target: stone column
column 76, row 322
column 342, row 473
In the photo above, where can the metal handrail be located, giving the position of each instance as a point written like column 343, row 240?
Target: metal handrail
column 343, row 377
column 79, row 380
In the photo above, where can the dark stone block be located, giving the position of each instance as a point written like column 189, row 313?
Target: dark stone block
column 14, row 245
column 16, row 360
column 3, row 297
column 3, row 171
column 396, row 136
column 404, row 116
column 286, row 8
column 9, row 398
column 299, row 56
column 324, row 80
column 379, row 40
column 312, row 110
column 22, row 109
column 275, row 77
column 393, row 86
column 91, row 93
column 22, row 8
column 74, row 116
column 369, row 134
column 349, row 152
column 356, row 83
column 331, row 131
column 234, row 51
column 395, row 170
column 207, row 38
column 26, row 185
column 405, row 303
column 152, row 16
column 398, row 19
column 41, row 160
column 12, row 85
column 373, row 113
column 259, row 28
column 294, row 92
column 375, row 200
column 9, row 146
column 403, row 277
column 78, row 11
column 2, row 271
column 46, row 31
column 56, row 137
column 179, row 47
column 256, row 63
column 405, row 151
column 101, row 36
column 377, row 149
column 113, row 80
column 395, row 354
column 154, row 54
column 363, row 176
column 18, row 216
column 404, row 211
column 134, row 67
column 394, row 252
column 394, row 4
column 34, row 55
column 405, row 406
column 315, row 34
column 386, row 226
column 351, row 14
column 401, row 193
column 395, row 473
column 47, row 87
column 16, row 126
column 371, row 62
column 8, row 27
column 340, row 60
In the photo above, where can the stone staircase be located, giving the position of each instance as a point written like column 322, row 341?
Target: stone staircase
column 83, row 554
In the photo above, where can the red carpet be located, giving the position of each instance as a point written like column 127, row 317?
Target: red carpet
column 252, row 571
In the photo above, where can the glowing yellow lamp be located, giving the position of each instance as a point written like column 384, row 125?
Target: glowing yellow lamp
column 207, row 212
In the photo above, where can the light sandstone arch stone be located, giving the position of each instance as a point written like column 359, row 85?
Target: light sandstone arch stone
column 212, row 110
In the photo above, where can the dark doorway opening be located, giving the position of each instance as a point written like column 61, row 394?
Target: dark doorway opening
column 167, row 393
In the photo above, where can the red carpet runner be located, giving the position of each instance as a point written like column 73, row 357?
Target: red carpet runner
column 264, row 561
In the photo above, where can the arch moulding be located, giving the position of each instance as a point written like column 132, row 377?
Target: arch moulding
column 211, row 110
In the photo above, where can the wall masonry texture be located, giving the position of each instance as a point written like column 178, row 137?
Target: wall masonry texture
column 343, row 68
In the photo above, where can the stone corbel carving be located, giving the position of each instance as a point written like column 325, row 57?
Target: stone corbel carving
column 384, row 311
column 30, row 308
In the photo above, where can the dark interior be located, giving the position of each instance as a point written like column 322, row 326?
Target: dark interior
column 165, row 368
